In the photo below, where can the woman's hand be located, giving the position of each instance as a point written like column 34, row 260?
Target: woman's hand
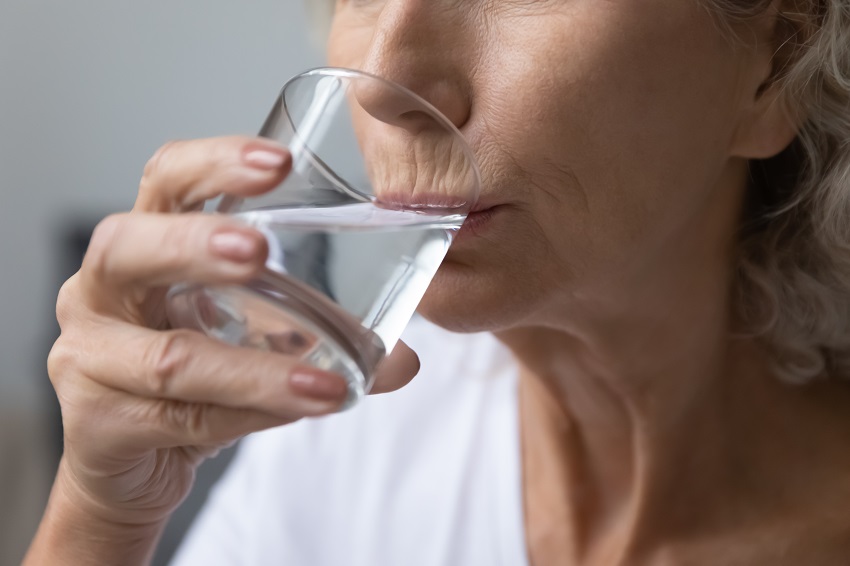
column 143, row 405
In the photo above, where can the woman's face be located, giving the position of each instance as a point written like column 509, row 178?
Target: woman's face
column 602, row 129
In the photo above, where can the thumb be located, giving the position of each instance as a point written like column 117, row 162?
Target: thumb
column 396, row 370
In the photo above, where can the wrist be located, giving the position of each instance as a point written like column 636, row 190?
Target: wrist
column 76, row 530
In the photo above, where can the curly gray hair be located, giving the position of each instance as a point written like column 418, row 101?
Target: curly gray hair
column 792, row 289
column 793, row 276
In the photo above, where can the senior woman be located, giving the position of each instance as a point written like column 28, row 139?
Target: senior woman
column 638, row 355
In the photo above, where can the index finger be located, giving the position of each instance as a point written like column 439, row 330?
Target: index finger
column 184, row 174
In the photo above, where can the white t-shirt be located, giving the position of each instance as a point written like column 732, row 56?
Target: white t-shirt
column 426, row 476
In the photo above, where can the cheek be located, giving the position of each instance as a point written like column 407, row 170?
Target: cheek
column 605, row 124
column 615, row 120
column 348, row 41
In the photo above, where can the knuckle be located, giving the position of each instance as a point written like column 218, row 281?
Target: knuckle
column 62, row 360
column 190, row 419
column 156, row 163
column 183, row 229
column 169, row 357
column 180, row 238
column 66, row 301
column 96, row 261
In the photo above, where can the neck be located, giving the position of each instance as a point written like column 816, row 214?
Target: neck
column 658, row 425
column 628, row 412
column 725, row 455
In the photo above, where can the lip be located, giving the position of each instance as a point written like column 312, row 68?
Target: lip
column 477, row 222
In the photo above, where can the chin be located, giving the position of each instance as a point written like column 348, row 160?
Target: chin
column 463, row 299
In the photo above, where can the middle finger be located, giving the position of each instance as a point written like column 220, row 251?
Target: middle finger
column 148, row 250
column 186, row 366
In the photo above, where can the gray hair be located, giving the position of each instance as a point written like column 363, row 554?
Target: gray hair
column 792, row 286
column 793, row 273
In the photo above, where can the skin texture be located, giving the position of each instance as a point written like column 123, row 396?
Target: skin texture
column 613, row 138
column 143, row 406
column 578, row 148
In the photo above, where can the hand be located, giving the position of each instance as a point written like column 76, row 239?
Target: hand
column 143, row 405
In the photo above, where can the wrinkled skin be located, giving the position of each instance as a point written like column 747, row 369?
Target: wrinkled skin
column 602, row 129
column 613, row 138
column 142, row 404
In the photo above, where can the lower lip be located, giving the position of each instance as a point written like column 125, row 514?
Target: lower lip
column 476, row 223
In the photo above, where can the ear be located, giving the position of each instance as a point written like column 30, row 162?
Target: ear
column 766, row 127
column 767, row 123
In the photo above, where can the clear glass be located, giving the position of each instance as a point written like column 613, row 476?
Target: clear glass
column 381, row 183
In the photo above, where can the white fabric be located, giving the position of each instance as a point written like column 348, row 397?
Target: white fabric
column 427, row 476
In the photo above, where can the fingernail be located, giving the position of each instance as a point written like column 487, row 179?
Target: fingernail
column 234, row 246
column 319, row 385
column 264, row 158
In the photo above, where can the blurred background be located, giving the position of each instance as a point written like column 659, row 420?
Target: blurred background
column 88, row 91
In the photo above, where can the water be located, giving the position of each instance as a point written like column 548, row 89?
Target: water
column 341, row 283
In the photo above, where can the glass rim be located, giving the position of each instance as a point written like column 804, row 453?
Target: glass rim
column 345, row 73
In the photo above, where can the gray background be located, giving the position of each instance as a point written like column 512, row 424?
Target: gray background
column 88, row 90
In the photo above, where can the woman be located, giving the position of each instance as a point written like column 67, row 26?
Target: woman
column 660, row 286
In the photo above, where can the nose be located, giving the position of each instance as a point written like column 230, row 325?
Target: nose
column 416, row 46
column 392, row 105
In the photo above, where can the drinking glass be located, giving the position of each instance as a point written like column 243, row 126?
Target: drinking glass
column 381, row 182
